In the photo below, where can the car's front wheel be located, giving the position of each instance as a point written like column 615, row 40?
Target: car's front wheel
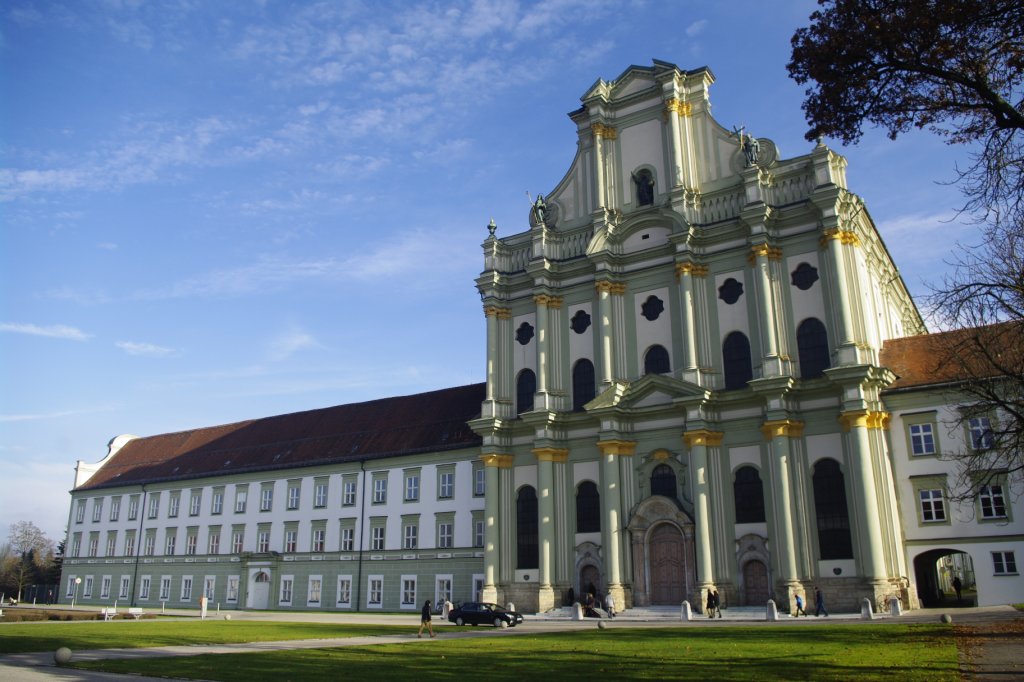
column 499, row 623
column 459, row 621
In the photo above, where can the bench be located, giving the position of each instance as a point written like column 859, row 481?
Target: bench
column 136, row 613
column 108, row 613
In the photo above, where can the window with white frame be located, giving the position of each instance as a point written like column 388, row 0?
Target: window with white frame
column 111, row 543
column 115, row 508
column 213, row 541
column 237, row 540
column 380, row 489
column 992, row 502
column 348, row 539
column 932, row 506
column 315, row 588
column 377, row 538
column 133, row 507
column 97, row 509
column 287, row 585
column 231, row 596
column 174, row 505
column 412, row 485
column 149, row 544
column 154, row 505
column 169, row 540
column 165, row 587
column 105, row 587
column 191, row 541
column 344, row 590
column 71, row 586
column 87, row 586
column 410, row 535
column 217, row 501
column 478, row 587
column 320, row 493
column 348, row 492
column 125, row 585
column 195, row 502
column 76, row 545
column 478, row 532
column 444, row 535
column 80, row 512
column 375, row 591
column 291, row 536
column 446, row 484
column 294, row 491
column 94, row 544
column 263, row 540
column 1004, row 563
column 209, row 585
column 144, row 584
column 922, row 439
column 319, row 538
column 980, row 429
column 267, row 497
column 241, row 499
column 129, row 543
column 408, row 591
column 479, row 481
column 443, row 591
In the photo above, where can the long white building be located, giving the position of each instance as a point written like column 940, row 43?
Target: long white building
column 690, row 386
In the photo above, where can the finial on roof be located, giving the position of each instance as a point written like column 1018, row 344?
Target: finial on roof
column 492, row 227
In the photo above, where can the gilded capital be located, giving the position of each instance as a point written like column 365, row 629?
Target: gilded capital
column 497, row 461
column 551, row 454
column 868, row 419
column 607, row 287
column 497, row 312
column 678, row 106
column 782, row 428
column 842, row 236
column 765, row 251
column 703, row 437
column 548, row 301
column 605, row 131
column 692, row 269
column 623, row 448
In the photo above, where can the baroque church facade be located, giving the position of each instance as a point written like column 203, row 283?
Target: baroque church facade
column 686, row 390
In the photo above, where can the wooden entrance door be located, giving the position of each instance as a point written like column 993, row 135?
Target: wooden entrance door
column 755, row 583
column 667, row 565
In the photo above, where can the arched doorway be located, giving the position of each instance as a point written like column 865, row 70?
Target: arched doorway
column 668, row 564
column 755, row 583
column 934, row 573
column 590, row 582
column 260, row 591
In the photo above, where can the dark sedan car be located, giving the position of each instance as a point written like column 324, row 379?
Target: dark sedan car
column 478, row 613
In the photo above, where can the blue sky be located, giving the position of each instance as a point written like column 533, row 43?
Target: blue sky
column 215, row 211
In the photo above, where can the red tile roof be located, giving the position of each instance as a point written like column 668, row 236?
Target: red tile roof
column 426, row 422
column 953, row 356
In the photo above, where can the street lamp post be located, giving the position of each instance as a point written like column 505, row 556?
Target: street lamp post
column 74, row 593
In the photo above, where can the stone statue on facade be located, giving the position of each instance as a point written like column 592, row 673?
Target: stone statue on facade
column 748, row 144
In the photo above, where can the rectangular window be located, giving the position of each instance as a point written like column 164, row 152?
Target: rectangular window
column 293, row 495
column 171, row 539
column 932, row 507
column 209, row 585
column 446, row 485
column 76, row 545
column 174, row 505
column 993, row 504
column 97, row 509
column 111, row 543
column 479, row 482
column 80, row 512
column 410, row 536
column 444, row 535
column 129, row 543
column 412, row 486
column 125, row 584
column 186, row 588
column 266, row 498
column 241, row 498
column 922, row 439
column 213, row 542
column 344, row 590
column 115, row 508
column 320, row 494
column 232, row 592
column 190, row 544
column 408, row 591
column 263, row 541
column 348, row 539
column 217, row 503
column 195, row 502
column 348, row 493
column 319, row 534
column 375, row 595
column 380, row 490
column 315, row 587
column 981, row 433
column 287, row 583
column 149, row 548
column 444, row 589
column 237, row 541
column 144, row 584
column 478, row 532
column 165, row 587
column 478, row 588
column 290, row 539
column 87, row 586
column 71, row 586
column 377, row 542
column 105, row 587
column 133, row 507
column 94, row 544
column 154, row 505
column 1004, row 563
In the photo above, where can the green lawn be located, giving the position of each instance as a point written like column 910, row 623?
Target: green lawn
column 833, row 652
column 48, row 636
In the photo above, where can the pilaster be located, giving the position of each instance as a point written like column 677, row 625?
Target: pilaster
column 698, row 442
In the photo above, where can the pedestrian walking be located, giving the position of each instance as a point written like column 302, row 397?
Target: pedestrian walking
column 710, row 607
column 425, row 620
column 957, row 585
column 718, row 604
column 819, row 603
column 800, row 605
column 609, row 605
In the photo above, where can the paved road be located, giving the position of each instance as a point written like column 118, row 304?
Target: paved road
column 990, row 639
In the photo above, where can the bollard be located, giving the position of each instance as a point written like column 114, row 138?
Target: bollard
column 866, row 612
column 771, row 611
column 895, row 609
column 686, row 612
column 577, row 611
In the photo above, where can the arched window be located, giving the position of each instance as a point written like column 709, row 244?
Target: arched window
column 583, row 386
column 526, row 528
column 656, row 361
column 748, row 494
column 830, row 507
column 644, row 187
column 812, row 342
column 736, row 360
column 526, row 386
column 588, row 508
column 663, row 481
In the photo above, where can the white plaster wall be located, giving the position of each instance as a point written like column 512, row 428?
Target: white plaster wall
column 733, row 317
column 581, row 345
column 586, row 471
column 659, row 331
column 524, row 357
column 648, row 238
column 810, row 303
column 639, row 145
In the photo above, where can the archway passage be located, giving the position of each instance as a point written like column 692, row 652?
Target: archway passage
column 590, row 582
column 755, row 583
column 668, row 565
column 935, row 572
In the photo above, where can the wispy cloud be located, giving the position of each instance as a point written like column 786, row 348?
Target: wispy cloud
column 41, row 416
column 696, row 28
column 57, row 331
column 290, row 342
column 148, row 350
